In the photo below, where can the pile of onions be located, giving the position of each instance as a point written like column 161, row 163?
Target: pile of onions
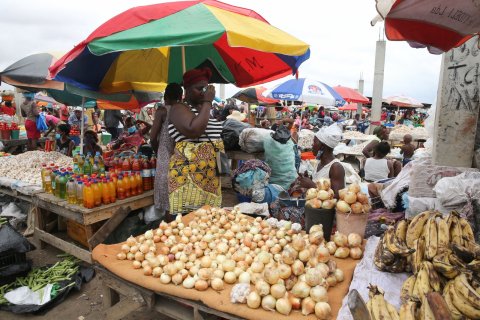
column 322, row 196
column 285, row 270
column 346, row 246
column 352, row 200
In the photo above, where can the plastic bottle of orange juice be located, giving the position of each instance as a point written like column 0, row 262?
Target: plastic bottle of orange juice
column 120, row 188
column 97, row 194
column 133, row 184
column 88, row 197
column 112, row 190
column 126, row 185
column 138, row 178
column 105, row 192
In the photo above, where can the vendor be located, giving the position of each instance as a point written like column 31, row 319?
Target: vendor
column 8, row 109
column 326, row 139
column 76, row 119
column 30, row 111
column 64, row 144
column 51, row 122
column 91, row 143
column 134, row 136
column 408, row 149
column 378, row 167
column 382, row 134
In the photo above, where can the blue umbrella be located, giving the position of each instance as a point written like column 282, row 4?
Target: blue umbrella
column 306, row 90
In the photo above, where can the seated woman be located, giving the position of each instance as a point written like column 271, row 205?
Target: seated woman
column 134, row 136
column 378, row 167
column 91, row 143
column 64, row 144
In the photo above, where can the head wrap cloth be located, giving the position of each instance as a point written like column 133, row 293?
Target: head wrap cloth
column 196, row 75
column 330, row 136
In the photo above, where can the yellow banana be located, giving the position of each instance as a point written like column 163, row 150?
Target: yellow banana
column 369, row 308
column 422, row 284
column 408, row 310
column 417, row 256
column 467, row 232
column 401, row 230
column 443, row 235
column 415, row 228
column 463, row 305
column 463, row 287
column 455, row 230
column 393, row 245
column 425, row 311
column 431, row 238
column 407, row 288
column 442, row 264
column 392, row 311
column 379, row 305
column 433, row 277
column 454, row 312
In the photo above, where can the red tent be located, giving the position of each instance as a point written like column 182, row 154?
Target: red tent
column 352, row 107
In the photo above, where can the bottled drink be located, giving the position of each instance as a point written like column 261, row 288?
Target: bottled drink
column 118, row 165
column 88, row 197
column 53, row 176
column 126, row 165
column 126, row 185
column 81, row 163
column 42, row 174
column 79, row 193
column 138, row 178
column 97, row 157
column 75, row 162
column 87, row 168
column 95, row 168
column 133, row 184
column 71, row 192
column 136, row 164
column 153, row 168
column 62, row 183
column 89, row 158
column 47, row 179
column 112, row 187
column 97, row 194
column 120, row 188
column 101, row 164
column 105, row 192
column 57, row 184
column 146, row 175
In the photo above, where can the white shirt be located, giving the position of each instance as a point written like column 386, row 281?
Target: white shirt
column 376, row 169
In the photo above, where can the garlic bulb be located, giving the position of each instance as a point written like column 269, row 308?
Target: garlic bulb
column 240, row 293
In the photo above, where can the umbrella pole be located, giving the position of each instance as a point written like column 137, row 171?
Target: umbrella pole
column 82, row 124
column 184, row 67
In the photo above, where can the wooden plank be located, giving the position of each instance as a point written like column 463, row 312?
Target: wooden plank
column 110, row 297
column 121, row 309
column 174, row 309
column 16, row 194
column 63, row 245
column 39, row 223
column 55, row 208
column 109, row 226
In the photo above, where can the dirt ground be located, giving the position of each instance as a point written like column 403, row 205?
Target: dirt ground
column 87, row 303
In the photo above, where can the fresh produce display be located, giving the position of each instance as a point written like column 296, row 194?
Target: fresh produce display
column 378, row 307
column 343, row 246
column 352, row 200
column 273, row 264
column 399, row 131
column 62, row 271
column 322, row 196
column 27, row 166
column 444, row 259
column 349, row 135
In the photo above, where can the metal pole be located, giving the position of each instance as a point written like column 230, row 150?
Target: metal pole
column 184, row 66
column 83, row 124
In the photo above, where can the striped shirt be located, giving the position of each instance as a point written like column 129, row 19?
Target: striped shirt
column 213, row 130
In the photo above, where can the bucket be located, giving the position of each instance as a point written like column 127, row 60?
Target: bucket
column 15, row 134
column 324, row 217
column 5, row 134
column 351, row 223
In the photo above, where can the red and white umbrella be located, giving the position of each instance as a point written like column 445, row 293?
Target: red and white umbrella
column 439, row 25
column 403, row 101
column 351, row 95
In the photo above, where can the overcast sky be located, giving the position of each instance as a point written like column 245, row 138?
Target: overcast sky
column 339, row 33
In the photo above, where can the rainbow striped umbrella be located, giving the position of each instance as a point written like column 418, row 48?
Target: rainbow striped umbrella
column 146, row 47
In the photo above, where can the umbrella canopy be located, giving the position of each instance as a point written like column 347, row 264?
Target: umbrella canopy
column 146, row 47
column 438, row 24
column 306, row 90
column 351, row 95
column 403, row 101
column 352, row 107
column 254, row 95
column 31, row 74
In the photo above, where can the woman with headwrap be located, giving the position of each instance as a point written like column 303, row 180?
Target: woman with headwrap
column 326, row 139
column 193, row 177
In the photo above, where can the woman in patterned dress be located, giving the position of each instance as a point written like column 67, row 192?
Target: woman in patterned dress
column 193, row 177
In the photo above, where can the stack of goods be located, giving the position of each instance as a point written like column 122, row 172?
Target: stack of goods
column 399, row 131
column 6, row 129
column 343, row 246
column 305, row 139
column 322, row 196
column 75, row 131
column 288, row 270
column 352, row 200
column 357, row 135
column 445, row 262
column 26, row 166
column 379, row 308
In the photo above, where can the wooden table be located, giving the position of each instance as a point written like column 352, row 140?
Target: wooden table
column 17, row 145
column 108, row 216
column 136, row 298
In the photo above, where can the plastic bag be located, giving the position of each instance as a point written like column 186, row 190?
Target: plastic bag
column 42, row 122
column 251, row 139
column 456, row 192
column 282, row 134
column 281, row 159
column 231, row 133
column 152, row 214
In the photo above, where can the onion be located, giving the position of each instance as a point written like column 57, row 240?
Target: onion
column 130, row 256
column 295, row 302
column 323, row 195
column 278, row 290
column 339, row 275
column 290, row 282
column 323, row 310
column 284, row 271
column 367, row 208
column 205, row 273
column 298, row 243
column 218, row 274
column 354, row 187
column 356, row 253
column 322, row 270
column 271, row 275
column 147, row 270
column 177, row 279
column 217, row 284
column 157, row 271
column 136, row 264
column 230, row 277
column 283, row 306
column 342, row 206
column 121, row 256
column 331, row 281
column 315, row 237
column 133, row 249
column 354, row 240
column 165, row 278
column 322, row 254
column 145, row 263
column 268, row 303
column 253, row 300
column 357, row 208
column 257, row 266
column 362, row 198
column 298, row 267
column 262, row 288
column 342, row 252
column 244, row 277
column 331, row 246
column 188, row 283
column 149, row 234
column 328, row 204
column 228, row 265
column 126, row 248
column 312, row 277
column 201, row 285
column 340, row 239
column 139, row 256
column 319, row 294
column 350, row 197
column 308, row 306
column 206, row 262
column 131, row 241
column 304, row 255
column 301, row 290
column 311, row 193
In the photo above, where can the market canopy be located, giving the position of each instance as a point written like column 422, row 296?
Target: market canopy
column 403, row 101
column 351, row 95
column 439, row 25
column 352, row 107
column 254, row 95
column 147, row 47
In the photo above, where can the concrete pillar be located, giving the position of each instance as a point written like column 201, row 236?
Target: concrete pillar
column 458, row 105
column 361, row 84
column 378, row 83
column 222, row 91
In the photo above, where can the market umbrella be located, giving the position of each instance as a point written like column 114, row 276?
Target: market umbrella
column 352, row 107
column 351, row 95
column 31, row 74
column 254, row 95
column 306, row 90
column 403, row 101
column 438, row 24
column 147, row 47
